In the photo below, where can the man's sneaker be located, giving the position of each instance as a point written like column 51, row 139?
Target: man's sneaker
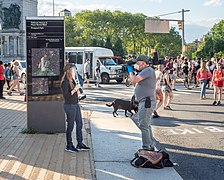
column 218, row 103
column 174, row 89
column 2, row 97
column 71, row 149
column 82, row 147
column 156, row 115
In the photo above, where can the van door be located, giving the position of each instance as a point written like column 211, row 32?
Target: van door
column 89, row 55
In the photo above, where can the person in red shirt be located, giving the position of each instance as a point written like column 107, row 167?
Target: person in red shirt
column 203, row 75
column 2, row 80
column 218, row 82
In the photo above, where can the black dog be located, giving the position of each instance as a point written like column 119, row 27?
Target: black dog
column 125, row 105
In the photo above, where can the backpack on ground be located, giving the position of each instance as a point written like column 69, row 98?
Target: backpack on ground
column 151, row 159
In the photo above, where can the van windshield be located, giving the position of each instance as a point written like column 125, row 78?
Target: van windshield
column 107, row 61
column 23, row 64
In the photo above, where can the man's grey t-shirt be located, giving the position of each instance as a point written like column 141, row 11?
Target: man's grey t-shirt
column 147, row 86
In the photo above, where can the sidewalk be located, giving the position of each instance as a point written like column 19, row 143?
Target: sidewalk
column 38, row 156
column 42, row 156
column 115, row 140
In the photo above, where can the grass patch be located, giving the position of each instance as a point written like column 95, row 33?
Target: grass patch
column 29, row 131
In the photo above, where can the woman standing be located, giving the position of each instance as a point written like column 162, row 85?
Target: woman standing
column 203, row 75
column 72, row 109
column 15, row 78
column 167, row 89
column 217, row 80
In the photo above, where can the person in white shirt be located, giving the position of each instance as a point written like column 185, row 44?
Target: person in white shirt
column 87, row 71
column 159, row 93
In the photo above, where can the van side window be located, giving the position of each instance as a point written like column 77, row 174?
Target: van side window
column 79, row 58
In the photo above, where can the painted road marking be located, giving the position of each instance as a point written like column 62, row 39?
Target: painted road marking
column 195, row 131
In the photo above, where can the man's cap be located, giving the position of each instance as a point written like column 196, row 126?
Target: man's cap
column 142, row 58
column 166, row 68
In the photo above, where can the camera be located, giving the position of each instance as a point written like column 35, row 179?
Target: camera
column 82, row 97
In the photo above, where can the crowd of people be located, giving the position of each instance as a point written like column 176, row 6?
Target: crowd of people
column 204, row 73
column 9, row 75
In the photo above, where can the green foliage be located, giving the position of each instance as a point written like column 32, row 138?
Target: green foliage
column 122, row 32
column 213, row 42
column 108, row 43
column 118, row 48
column 29, row 131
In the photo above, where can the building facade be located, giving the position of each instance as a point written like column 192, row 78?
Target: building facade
column 65, row 12
column 12, row 27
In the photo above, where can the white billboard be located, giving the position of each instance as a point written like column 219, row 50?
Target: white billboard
column 157, row 26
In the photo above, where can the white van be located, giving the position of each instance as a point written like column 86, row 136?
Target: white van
column 108, row 67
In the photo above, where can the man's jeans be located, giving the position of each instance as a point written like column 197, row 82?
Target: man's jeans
column 73, row 113
column 143, row 121
column 203, row 87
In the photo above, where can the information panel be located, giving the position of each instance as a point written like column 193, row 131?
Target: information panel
column 45, row 58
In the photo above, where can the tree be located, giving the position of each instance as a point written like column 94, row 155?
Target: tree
column 120, row 31
column 213, row 42
column 118, row 48
column 108, row 43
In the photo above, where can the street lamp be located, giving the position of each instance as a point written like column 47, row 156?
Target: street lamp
column 53, row 7
column 181, row 23
column 2, row 42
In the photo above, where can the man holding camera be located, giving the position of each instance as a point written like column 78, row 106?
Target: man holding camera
column 145, row 94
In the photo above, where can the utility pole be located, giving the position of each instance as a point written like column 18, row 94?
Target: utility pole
column 183, row 39
column 181, row 25
column 2, row 43
column 53, row 7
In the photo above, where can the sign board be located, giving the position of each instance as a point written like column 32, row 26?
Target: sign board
column 157, row 26
column 45, row 58
column 45, row 63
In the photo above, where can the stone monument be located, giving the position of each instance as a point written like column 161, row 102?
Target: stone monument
column 12, row 27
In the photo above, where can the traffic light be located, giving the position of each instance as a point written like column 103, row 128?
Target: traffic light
column 180, row 25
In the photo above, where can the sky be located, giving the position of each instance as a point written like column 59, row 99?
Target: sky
column 202, row 16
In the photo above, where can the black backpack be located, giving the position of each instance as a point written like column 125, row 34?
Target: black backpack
column 151, row 159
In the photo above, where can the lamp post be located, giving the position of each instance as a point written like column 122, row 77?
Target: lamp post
column 183, row 39
column 1, row 40
column 53, row 7
column 182, row 25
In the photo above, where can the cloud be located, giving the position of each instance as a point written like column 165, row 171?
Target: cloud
column 46, row 8
column 213, row 3
column 204, row 22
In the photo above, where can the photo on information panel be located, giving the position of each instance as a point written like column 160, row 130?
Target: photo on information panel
column 45, row 62
column 40, row 86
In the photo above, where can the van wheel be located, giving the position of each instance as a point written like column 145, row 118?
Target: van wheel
column 119, row 80
column 105, row 78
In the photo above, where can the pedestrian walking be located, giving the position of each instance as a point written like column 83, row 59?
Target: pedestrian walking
column 87, row 71
column 145, row 83
column 167, row 90
column 203, row 75
column 2, row 80
column 15, row 78
column 8, row 75
column 218, row 82
column 159, row 93
column 98, row 76
column 70, row 92
column 171, row 73
column 186, row 73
